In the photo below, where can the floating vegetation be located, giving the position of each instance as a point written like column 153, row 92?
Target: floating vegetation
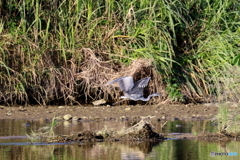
column 228, row 118
column 44, row 134
column 228, row 121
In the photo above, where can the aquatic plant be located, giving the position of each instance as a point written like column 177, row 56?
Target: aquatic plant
column 222, row 117
column 44, row 134
column 105, row 132
column 228, row 118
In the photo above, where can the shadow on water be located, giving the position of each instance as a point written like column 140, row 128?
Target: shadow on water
column 15, row 145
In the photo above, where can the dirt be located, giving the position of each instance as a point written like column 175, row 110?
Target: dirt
column 161, row 112
column 116, row 113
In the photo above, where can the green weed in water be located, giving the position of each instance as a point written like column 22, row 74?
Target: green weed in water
column 44, row 134
column 228, row 118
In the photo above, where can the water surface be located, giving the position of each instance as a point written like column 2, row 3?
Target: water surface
column 15, row 145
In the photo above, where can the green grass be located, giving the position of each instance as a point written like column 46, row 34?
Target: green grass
column 228, row 118
column 194, row 45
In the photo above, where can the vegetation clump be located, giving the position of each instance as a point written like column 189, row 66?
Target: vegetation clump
column 227, row 121
column 44, row 134
column 143, row 132
column 63, row 52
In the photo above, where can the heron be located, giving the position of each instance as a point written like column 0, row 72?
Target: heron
column 133, row 91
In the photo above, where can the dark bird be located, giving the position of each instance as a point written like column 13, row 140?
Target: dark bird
column 133, row 91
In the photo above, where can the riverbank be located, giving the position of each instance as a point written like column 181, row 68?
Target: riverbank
column 124, row 112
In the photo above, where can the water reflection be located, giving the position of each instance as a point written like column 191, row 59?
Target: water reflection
column 18, row 147
column 170, row 149
column 21, row 127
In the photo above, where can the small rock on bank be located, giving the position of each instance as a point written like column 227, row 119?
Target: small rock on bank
column 67, row 117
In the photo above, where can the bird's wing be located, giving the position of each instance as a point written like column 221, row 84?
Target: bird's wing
column 125, row 83
column 140, row 85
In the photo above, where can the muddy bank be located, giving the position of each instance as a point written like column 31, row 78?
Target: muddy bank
column 160, row 112
column 142, row 131
column 219, row 136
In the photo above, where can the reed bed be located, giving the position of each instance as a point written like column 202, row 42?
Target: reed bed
column 63, row 52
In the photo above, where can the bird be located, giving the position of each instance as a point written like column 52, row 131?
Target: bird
column 133, row 91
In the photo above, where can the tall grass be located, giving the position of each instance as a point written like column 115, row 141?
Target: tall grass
column 194, row 44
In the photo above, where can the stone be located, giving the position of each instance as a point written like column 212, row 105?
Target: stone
column 61, row 107
column 75, row 118
column 123, row 118
column 58, row 118
column 128, row 109
column 99, row 102
column 67, row 117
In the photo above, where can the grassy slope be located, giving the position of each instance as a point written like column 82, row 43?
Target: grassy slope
column 194, row 44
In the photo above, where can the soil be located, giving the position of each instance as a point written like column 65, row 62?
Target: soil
column 161, row 112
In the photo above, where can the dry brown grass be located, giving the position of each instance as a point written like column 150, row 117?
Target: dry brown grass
column 49, row 79
column 96, row 71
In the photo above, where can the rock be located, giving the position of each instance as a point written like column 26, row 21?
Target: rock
column 147, row 117
column 22, row 109
column 97, row 119
column 84, row 117
column 67, row 117
column 128, row 109
column 75, row 118
column 8, row 114
column 123, row 118
column 208, row 104
column 61, row 107
column 99, row 102
column 58, row 118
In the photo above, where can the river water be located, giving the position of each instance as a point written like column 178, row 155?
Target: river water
column 15, row 145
